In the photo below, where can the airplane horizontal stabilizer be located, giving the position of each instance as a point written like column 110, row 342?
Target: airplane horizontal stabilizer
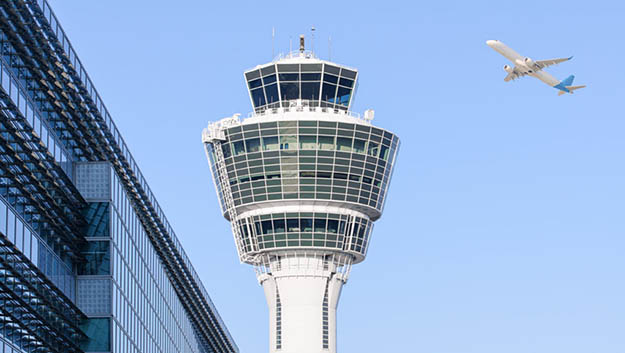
column 573, row 88
column 570, row 88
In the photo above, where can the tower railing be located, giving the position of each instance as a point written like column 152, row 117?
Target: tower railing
column 305, row 105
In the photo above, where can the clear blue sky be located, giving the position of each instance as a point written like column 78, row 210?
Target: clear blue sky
column 504, row 228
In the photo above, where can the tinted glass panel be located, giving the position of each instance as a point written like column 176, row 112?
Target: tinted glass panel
column 278, row 225
column 343, row 95
column 289, row 91
column 253, row 145
column 310, row 90
column 329, row 92
column 326, row 142
column 289, row 77
column 270, row 143
column 252, row 75
column 239, row 148
column 99, row 332
column 98, row 259
column 346, row 82
column 288, row 68
column 255, row 83
column 271, row 92
column 348, row 73
column 258, row 97
column 268, row 70
column 311, row 67
column 330, row 78
column 272, row 78
column 311, row 77
column 332, row 69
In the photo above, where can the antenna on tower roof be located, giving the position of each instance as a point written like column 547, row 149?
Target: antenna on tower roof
column 312, row 40
column 329, row 48
column 301, row 43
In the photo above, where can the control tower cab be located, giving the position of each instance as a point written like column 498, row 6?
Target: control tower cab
column 301, row 180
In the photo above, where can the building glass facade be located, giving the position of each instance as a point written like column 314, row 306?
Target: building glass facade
column 88, row 261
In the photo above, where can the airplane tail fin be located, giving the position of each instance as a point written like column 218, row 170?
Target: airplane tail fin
column 568, row 81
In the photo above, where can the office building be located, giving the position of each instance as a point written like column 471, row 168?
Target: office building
column 88, row 261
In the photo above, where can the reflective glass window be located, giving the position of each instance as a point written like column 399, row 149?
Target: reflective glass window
column 271, row 92
column 373, row 149
column 252, row 75
column 253, row 145
column 332, row 69
column 288, row 77
column 306, row 225
column 97, row 215
column 225, row 148
column 359, row 146
column 320, row 225
column 98, row 330
column 3, row 218
column 308, row 142
column 289, row 91
column 346, row 82
column 288, row 67
column 348, row 73
column 268, row 70
column 329, row 92
column 278, row 225
column 310, row 90
column 342, row 96
column 97, row 254
column 311, row 67
column 292, row 225
column 267, row 227
column 239, row 148
column 288, row 142
column 344, row 144
column 258, row 97
column 326, row 143
column 330, row 78
column 384, row 152
column 311, row 76
column 270, row 143
column 269, row 79
column 255, row 83
column 333, row 226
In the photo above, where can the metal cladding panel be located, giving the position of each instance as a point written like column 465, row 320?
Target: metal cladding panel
column 93, row 180
column 94, row 296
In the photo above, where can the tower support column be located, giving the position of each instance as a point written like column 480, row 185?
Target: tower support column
column 302, row 295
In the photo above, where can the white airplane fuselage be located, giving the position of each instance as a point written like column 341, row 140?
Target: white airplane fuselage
column 519, row 62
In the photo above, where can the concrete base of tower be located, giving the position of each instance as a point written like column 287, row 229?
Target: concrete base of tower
column 302, row 294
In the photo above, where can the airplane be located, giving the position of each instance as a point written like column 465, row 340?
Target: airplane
column 525, row 66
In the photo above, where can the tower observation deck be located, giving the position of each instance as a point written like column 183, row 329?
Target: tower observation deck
column 301, row 180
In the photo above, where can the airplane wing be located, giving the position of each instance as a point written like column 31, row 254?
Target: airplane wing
column 516, row 73
column 541, row 64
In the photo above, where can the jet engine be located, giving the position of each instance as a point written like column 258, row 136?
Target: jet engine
column 529, row 62
column 508, row 69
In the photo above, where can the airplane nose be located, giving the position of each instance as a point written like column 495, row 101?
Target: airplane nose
column 491, row 42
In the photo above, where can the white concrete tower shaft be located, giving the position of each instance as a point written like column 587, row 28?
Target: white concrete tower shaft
column 302, row 180
column 302, row 296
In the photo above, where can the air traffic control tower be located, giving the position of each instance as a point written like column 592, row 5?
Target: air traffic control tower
column 301, row 180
